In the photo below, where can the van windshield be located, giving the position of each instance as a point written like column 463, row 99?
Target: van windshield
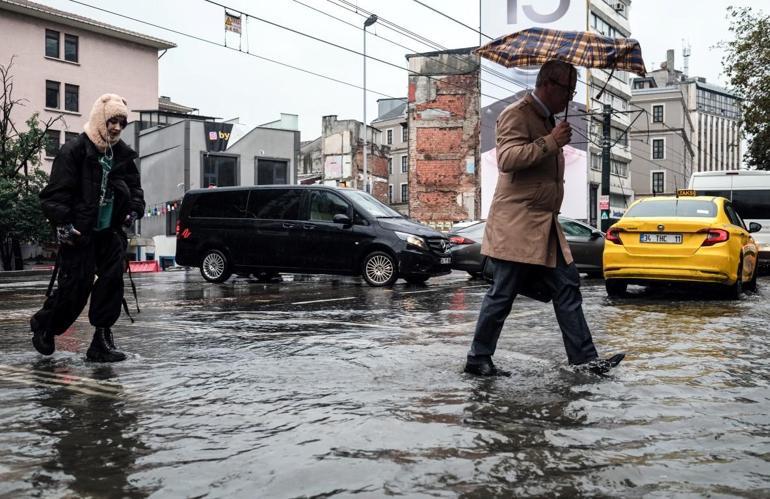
column 371, row 206
column 750, row 204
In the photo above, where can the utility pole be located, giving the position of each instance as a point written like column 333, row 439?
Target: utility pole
column 369, row 21
column 604, row 200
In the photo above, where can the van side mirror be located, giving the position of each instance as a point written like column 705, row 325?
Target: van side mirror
column 341, row 218
column 595, row 234
column 755, row 227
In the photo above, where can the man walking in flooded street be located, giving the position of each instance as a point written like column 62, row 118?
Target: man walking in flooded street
column 94, row 192
column 523, row 239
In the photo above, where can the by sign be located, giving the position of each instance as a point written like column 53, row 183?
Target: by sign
column 217, row 135
column 604, row 203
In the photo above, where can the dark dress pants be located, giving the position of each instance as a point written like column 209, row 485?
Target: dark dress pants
column 102, row 254
column 563, row 284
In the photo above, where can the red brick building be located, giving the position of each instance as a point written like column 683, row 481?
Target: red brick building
column 444, row 157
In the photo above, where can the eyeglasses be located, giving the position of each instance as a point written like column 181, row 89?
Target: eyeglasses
column 570, row 91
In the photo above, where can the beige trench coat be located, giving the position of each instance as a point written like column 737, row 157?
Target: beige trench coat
column 522, row 224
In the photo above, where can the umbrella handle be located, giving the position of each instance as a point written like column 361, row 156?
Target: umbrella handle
column 566, row 111
column 601, row 92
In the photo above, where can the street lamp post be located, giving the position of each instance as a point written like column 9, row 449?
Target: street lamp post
column 369, row 21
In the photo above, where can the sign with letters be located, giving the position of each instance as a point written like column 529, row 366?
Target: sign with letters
column 217, row 135
column 502, row 86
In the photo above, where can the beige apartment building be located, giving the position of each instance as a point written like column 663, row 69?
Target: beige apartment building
column 661, row 139
column 62, row 62
column 393, row 124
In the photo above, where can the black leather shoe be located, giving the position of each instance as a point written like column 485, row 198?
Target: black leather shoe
column 43, row 341
column 486, row 368
column 602, row 366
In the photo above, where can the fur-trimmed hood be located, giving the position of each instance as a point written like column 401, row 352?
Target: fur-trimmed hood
column 107, row 106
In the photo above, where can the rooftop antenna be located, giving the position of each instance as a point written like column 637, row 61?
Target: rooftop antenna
column 686, row 57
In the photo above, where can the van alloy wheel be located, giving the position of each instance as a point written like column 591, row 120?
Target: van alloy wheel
column 215, row 267
column 379, row 269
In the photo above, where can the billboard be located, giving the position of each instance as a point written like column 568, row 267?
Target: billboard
column 502, row 86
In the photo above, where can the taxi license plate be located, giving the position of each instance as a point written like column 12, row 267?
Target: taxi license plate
column 446, row 260
column 660, row 238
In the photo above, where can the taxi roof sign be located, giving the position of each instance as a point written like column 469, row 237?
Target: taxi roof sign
column 685, row 192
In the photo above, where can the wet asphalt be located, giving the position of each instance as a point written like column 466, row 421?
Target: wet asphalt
column 325, row 387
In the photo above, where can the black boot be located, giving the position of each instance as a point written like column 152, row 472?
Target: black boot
column 100, row 349
column 43, row 341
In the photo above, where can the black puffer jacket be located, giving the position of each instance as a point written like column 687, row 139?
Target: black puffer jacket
column 72, row 194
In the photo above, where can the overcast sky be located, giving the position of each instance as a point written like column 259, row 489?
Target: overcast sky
column 228, row 84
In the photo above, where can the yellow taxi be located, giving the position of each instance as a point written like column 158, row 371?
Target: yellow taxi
column 682, row 238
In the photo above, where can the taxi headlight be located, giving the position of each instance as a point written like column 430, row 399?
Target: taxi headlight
column 412, row 240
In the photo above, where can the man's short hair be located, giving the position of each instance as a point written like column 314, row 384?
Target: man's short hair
column 553, row 70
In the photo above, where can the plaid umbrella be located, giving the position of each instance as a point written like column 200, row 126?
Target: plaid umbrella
column 536, row 46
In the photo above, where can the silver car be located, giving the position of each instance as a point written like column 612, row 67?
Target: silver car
column 585, row 242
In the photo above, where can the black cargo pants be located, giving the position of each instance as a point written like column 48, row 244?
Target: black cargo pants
column 101, row 254
column 563, row 284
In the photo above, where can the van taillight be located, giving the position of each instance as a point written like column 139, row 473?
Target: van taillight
column 714, row 236
column 613, row 234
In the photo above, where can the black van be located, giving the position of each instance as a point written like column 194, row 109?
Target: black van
column 304, row 229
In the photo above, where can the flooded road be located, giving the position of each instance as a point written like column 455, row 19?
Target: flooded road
column 328, row 388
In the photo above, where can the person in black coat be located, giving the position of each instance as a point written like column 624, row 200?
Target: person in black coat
column 94, row 191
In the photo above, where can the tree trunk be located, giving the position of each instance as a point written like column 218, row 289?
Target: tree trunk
column 18, row 260
column 5, row 253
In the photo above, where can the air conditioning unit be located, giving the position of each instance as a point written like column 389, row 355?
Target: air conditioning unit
column 619, row 7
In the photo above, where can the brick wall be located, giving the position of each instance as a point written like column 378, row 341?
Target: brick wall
column 444, row 185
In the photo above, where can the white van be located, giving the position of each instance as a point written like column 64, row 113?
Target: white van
column 749, row 190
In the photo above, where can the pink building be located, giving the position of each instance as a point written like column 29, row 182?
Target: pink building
column 63, row 62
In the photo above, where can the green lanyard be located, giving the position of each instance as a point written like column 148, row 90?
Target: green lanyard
column 106, row 197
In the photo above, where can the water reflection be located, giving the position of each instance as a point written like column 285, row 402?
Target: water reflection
column 95, row 436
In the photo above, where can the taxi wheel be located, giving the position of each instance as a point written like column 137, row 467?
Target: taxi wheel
column 734, row 291
column 615, row 288
column 752, row 284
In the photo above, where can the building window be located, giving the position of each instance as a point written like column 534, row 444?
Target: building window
column 70, row 136
column 596, row 162
column 390, row 193
column 404, row 133
column 389, row 135
column 658, row 180
column 657, row 114
column 270, row 172
column 52, row 94
column 390, row 166
column 404, row 164
column 172, row 215
column 219, row 171
column 71, row 48
column 52, row 145
column 404, row 193
column 71, row 97
column 51, row 43
column 619, row 168
column 658, row 149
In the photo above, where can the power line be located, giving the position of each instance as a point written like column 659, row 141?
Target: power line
column 397, row 43
column 341, row 47
column 350, row 7
column 441, row 13
column 297, row 68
